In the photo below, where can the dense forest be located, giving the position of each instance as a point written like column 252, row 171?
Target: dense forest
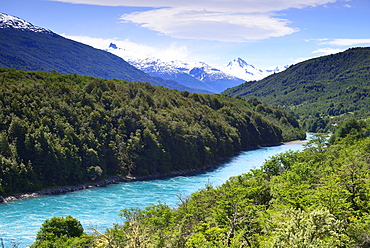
column 66, row 129
column 319, row 197
column 321, row 92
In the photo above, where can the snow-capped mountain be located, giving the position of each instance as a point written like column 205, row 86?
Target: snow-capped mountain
column 201, row 71
column 241, row 69
column 208, row 77
column 160, row 67
column 196, row 75
column 200, row 75
column 24, row 46
column 204, row 72
column 8, row 21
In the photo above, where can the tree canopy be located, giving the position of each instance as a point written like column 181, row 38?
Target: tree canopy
column 66, row 129
column 322, row 92
column 319, row 197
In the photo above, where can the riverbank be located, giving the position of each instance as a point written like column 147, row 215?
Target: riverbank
column 100, row 183
column 295, row 142
column 99, row 207
column 116, row 179
column 62, row 189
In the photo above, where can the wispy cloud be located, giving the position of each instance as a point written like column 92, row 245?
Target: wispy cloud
column 319, row 52
column 221, row 20
column 131, row 50
column 328, row 51
column 221, row 26
column 245, row 6
column 346, row 42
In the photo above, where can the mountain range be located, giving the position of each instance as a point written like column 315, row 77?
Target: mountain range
column 24, row 46
column 200, row 75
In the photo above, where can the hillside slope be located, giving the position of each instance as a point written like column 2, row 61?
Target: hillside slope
column 66, row 129
column 26, row 47
column 321, row 91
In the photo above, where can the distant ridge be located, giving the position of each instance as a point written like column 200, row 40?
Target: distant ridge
column 199, row 75
column 24, row 46
column 321, row 91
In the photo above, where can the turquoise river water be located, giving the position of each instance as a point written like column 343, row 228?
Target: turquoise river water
column 99, row 207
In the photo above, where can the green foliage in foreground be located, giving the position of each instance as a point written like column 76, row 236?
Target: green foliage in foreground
column 67, row 129
column 319, row 197
column 62, row 232
column 357, row 129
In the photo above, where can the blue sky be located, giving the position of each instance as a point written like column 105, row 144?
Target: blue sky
column 265, row 33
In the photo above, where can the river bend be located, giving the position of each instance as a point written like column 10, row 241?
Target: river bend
column 99, row 207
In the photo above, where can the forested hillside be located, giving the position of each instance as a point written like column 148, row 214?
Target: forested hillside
column 66, row 129
column 322, row 91
column 319, row 197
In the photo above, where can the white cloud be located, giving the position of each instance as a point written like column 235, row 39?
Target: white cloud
column 245, row 6
column 131, row 50
column 301, row 59
column 221, row 20
column 321, row 40
column 320, row 52
column 221, row 26
column 347, row 42
column 328, row 51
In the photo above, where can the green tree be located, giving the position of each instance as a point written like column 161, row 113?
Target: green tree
column 59, row 231
column 356, row 129
column 318, row 228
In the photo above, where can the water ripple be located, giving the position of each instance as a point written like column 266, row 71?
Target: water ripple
column 99, row 207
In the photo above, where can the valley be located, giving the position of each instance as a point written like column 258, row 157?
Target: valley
column 71, row 114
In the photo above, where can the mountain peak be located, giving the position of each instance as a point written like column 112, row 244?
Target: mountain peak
column 112, row 45
column 241, row 69
column 241, row 62
column 8, row 21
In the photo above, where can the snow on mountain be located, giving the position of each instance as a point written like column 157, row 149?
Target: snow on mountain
column 160, row 67
column 241, row 69
column 237, row 68
column 237, row 71
column 174, row 70
column 204, row 72
column 8, row 21
column 196, row 75
column 200, row 75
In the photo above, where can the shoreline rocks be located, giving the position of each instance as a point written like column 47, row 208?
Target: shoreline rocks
column 62, row 189
column 105, row 182
column 101, row 183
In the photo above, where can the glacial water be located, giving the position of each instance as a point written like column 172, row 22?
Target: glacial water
column 99, row 207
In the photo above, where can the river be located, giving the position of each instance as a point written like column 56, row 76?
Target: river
column 99, row 207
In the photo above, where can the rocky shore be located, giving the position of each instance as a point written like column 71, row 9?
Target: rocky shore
column 112, row 180
column 63, row 189
column 101, row 183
